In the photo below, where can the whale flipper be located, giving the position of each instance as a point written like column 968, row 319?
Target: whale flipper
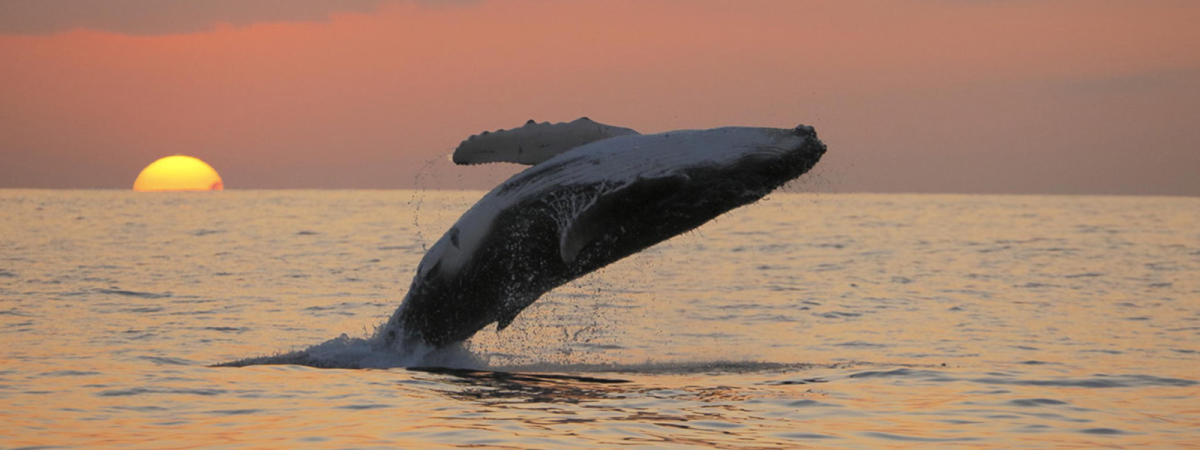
column 534, row 142
column 607, row 212
column 511, row 309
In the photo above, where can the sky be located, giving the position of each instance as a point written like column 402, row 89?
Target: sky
column 926, row 96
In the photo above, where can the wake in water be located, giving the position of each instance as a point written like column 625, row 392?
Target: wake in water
column 344, row 352
column 595, row 194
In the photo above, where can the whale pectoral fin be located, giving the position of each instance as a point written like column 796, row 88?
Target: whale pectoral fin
column 511, row 309
column 506, row 318
column 608, row 212
column 534, row 142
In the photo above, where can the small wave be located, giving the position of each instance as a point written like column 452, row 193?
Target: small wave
column 1036, row 285
column 365, row 407
column 343, row 307
column 167, row 361
column 907, row 438
column 1036, row 402
column 904, row 372
column 1102, row 431
column 860, row 344
column 143, row 391
column 234, row 412
column 227, row 329
column 144, row 310
column 149, row 295
column 515, row 376
column 676, row 368
column 799, row 436
column 837, row 315
column 1033, row 362
column 70, row 373
column 1096, row 381
column 806, row 403
column 524, row 388
column 14, row 312
column 395, row 247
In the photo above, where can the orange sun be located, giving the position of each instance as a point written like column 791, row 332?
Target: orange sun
column 178, row 173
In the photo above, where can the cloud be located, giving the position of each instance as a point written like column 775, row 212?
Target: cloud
column 156, row 17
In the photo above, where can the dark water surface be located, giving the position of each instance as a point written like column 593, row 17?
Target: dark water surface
column 822, row 321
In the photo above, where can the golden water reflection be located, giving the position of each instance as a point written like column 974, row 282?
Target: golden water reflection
column 831, row 321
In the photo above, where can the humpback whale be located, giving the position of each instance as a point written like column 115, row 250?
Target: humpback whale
column 593, row 195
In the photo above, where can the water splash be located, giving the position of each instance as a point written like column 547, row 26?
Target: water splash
column 345, row 352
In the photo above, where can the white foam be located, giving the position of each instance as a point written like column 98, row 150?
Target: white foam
column 358, row 353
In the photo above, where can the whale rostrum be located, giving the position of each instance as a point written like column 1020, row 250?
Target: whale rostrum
column 593, row 195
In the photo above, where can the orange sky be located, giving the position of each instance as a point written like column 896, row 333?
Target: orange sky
column 995, row 96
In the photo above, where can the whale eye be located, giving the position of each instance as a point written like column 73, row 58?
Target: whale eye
column 453, row 234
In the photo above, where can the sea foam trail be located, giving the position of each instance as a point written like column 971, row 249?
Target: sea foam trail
column 344, row 352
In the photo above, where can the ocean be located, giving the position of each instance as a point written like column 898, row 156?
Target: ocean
column 804, row 321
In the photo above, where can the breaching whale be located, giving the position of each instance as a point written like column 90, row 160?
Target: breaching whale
column 594, row 194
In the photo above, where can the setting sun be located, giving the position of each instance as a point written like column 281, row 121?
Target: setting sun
column 178, row 173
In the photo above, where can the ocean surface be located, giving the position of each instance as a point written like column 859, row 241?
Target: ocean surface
column 804, row 321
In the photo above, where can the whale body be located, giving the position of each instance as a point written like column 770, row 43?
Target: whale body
column 594, row 195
